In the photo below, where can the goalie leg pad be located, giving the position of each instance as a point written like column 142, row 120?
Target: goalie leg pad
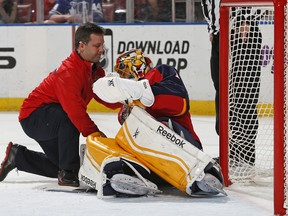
column 102, row 160
column 179, row 129
column 162, row 150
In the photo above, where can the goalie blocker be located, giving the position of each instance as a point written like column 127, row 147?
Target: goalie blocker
column 143, row 144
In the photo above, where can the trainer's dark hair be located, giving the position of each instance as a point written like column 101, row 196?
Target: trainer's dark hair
column 84, row 31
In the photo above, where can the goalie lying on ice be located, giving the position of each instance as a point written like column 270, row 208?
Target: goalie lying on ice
column 144, row 143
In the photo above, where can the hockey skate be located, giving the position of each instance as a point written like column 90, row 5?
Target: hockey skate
column 210, row 185
column 131, row 185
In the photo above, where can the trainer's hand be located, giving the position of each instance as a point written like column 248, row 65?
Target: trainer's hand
column 98, row 134
column 102, row 134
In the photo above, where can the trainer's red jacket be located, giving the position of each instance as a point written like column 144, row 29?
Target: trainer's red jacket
column 71, row 86
column 171, row 97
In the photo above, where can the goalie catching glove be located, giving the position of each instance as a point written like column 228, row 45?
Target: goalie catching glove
column 113, row 89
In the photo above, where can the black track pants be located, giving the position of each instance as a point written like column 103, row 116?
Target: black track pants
column 58, row 137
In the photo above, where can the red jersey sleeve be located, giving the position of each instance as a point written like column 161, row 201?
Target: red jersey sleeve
column 68, row 89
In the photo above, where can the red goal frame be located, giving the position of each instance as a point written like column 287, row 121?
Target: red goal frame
column 279, row 89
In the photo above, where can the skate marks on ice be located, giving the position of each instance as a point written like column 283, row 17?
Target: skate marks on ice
column 54, row 187
column 168, row 193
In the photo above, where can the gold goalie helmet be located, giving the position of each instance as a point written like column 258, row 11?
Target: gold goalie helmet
column 133, row 64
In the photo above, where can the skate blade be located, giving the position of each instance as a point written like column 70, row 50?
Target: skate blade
column 126, row 184
column 211, row 184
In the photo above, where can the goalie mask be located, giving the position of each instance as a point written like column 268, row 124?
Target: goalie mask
column 133, row 64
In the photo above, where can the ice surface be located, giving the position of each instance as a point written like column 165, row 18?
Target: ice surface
column 19, row 194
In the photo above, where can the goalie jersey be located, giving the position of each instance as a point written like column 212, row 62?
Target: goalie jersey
column 171, row 98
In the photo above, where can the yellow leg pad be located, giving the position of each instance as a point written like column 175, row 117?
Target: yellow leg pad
column 99, row 153
column 101, row 149
column 168, row 169
column 163, row 151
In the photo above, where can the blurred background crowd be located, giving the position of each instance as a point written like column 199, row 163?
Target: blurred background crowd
column 100, row 11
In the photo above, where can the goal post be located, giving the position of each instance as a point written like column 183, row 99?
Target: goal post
column 280, row 107
column 253, row 74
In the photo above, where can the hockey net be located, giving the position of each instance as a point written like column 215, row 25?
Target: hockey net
column 253, row 95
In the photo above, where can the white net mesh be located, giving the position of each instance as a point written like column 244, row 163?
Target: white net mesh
column 251, row 94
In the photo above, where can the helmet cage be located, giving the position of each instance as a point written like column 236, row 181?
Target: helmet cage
column 132, row 64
